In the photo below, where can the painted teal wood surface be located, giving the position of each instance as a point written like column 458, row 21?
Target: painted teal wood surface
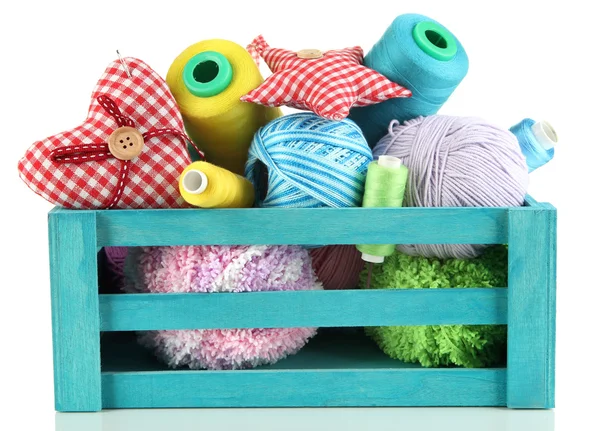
column 531, row 307
column 75, row 314
column 292, row 388
column 530, row 201
column 352, row 375
column 303, row 226
column 338, row 367
column 129, row 312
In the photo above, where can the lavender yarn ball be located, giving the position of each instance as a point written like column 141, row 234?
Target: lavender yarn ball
column 220, row 269
column 456, row 162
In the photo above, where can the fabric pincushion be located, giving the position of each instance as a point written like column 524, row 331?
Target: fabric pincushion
column 221, row 270
column 128, row 153
column 327, row 83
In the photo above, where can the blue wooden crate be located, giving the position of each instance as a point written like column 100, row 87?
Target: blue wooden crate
column 346, row 373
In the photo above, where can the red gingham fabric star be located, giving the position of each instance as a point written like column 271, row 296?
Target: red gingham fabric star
column 74, row 169
column 329, row 86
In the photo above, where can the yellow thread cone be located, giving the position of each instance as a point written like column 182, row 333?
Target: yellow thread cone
column 221, row 125
column 208, row 186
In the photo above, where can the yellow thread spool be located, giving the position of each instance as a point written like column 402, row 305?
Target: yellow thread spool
column 207, row 81
column 208, row 186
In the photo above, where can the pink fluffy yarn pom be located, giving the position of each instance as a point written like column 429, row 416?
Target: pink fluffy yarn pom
column 213, row 269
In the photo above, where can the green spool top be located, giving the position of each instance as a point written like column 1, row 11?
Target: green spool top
column 435, row 40
column 207, row 74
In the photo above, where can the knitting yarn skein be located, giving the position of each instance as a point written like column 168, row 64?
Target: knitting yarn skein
column 310, row 162
column 456, row 162
column 337, row 266
column 113, row 267
column 442, row 345
column 218, row 270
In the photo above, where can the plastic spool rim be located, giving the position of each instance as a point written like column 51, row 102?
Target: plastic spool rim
column 194, row 182
column 371, row 258
column 435, row 41
column 207, row 63
column 389, row 162
column 545, row 134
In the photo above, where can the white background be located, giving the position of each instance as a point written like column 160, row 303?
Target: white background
column 527, row 59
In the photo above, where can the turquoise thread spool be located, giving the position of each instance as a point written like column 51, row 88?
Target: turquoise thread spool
column 537, row 141
column 384, row 187
column 422, row 55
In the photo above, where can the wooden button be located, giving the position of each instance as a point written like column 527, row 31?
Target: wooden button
column 309, row 53
column 125, row 143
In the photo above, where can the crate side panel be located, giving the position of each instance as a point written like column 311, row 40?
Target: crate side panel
column 531, row 307
column 337, row 367
column 75, row 314
column 301, row 388
column 303, row 226
column 128, row 312
column 530, row 201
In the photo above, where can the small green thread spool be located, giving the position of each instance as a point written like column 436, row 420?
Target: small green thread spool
column 384, row 188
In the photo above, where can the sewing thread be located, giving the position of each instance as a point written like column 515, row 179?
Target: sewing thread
column 208, row 186
column 384, row 188
column 536, row 140
column 422, row 55
column 207, row 80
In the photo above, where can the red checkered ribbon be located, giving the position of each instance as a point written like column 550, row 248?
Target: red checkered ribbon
column 100, row 151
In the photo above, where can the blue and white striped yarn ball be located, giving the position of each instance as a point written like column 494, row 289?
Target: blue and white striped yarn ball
column 311, row 162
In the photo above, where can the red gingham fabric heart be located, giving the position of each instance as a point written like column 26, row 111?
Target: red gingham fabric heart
column 329, row 86
column 56, row 168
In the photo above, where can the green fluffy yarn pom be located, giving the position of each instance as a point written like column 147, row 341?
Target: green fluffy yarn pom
column 469, row 346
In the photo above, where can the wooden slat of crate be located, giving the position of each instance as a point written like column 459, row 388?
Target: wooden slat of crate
column 135, row 312
column 303, row 226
